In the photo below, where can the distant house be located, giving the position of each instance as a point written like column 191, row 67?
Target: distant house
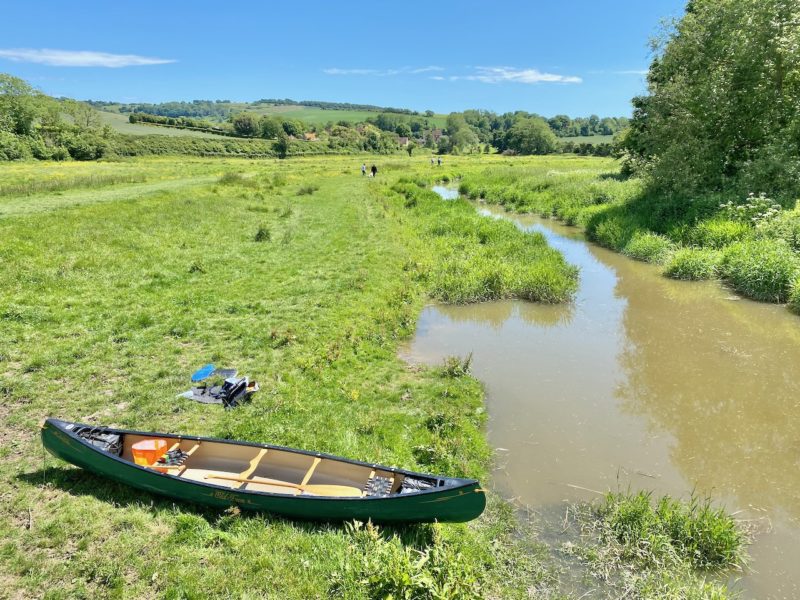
column 310, row 137
column 436, row 134
column 403, row 141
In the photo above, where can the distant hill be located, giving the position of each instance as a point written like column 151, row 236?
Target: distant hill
column 314, row 112
column 119, row 123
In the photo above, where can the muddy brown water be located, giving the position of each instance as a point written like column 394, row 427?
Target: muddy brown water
column 642, row 383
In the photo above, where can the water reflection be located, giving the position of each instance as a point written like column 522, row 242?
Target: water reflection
column 644, row 382
column 445, row 192
column 496, row 314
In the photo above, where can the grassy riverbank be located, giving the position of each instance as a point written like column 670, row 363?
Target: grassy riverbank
column 752, row 244
column 108, row 306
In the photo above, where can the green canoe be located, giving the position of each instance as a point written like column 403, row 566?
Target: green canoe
column 294, row 483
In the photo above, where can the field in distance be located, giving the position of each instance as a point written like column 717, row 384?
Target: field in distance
column 308, row 114
column 119, row 123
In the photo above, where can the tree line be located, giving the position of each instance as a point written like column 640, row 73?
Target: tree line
column 33, row 125
column 722, row 109
column 338, row 106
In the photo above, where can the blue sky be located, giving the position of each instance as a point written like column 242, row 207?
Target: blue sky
column 575, row 57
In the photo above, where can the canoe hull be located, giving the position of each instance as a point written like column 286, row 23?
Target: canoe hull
column 459, row 502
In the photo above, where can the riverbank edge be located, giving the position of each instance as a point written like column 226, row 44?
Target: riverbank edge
column 691, row 263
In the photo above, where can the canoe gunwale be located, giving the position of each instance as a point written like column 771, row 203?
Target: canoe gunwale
column 452, row 483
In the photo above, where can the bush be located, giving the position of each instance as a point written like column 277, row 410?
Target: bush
column 307, row 190
column 86, row 146
column 692, row 264
column 263, row 234
column 455, row 366
column 13, row 147
column 760, row 269
column 785, row 226
column 649, row 247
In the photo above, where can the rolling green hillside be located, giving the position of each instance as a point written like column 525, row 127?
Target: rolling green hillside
column 120, row 124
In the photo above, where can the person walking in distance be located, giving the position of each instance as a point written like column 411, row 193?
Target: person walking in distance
column 364, row 169
column 439, row 160
column 374, row 170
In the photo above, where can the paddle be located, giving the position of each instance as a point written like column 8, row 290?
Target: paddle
column 319, row 489
column 202, row 373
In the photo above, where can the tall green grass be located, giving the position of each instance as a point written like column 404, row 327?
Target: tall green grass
column 664, row 548
column 107, row 307
column 481, row 259
column 39, row 186
column 760, row 269
column 692, row 264
column 669, row 530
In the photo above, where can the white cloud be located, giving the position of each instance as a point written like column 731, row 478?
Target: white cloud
column 510, row 74
column 426, row 69
column 336, row 71
column 79, row 58
column 383, row 72
column 483, row 74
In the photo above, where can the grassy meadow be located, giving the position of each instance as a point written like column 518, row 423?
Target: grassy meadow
column 308, row 114
column 302, row 274
column 119, row 123
column 118, row 279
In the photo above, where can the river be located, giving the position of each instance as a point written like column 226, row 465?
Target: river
column 643, row 382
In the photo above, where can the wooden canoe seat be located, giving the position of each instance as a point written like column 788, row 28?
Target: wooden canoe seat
column 310, row 471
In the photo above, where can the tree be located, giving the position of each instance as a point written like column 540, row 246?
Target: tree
column 410, row 148
column 531, row 135
column 281, row 145
column 84, row 115
column 723, row 104
column 269, row 128
column 464, row 138
column 20, row 105
column 293, row 127
column 403, row 130
column 246, row 124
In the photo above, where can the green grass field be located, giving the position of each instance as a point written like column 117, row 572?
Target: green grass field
column 120, row 123
column 112, row 296
column 318, row 116
column 308, row 114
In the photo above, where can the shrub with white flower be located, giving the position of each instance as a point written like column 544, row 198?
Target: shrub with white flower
column 756, row 210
